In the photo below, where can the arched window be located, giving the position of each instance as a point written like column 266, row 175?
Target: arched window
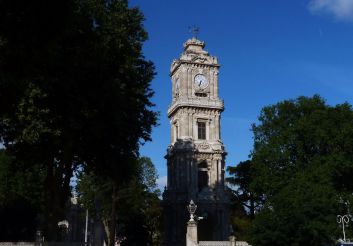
column 202, row 176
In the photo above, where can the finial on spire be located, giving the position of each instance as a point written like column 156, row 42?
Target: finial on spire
column 194, row 30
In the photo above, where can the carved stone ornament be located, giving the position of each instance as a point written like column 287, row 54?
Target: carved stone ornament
column 203, row 156
column 203, row 145
column 199, row 59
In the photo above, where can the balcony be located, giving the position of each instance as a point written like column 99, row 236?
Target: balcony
column 196, row 102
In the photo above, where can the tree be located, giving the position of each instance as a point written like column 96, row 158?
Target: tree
column 74, row 88
column 21, row 197
column 302, row 213
column 303, row 156
column 240, row 180
column 139, row 208
column 245, row 199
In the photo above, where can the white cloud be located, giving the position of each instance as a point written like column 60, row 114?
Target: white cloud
column 340, row 9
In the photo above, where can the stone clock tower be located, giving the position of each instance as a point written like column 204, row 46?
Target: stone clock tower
column 196, row 155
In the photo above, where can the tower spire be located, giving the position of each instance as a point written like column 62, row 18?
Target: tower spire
column 194, row 30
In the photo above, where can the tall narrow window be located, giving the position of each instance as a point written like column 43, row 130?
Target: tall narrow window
column 201, row 130
column 202, row 177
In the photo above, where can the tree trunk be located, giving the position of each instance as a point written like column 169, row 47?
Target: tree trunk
column 50, row 212
column 107, row 230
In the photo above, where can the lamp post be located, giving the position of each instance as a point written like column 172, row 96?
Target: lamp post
column 39, row 238
column 191, row 231
column 86, row 228
column 192, row 209
column 344, row 220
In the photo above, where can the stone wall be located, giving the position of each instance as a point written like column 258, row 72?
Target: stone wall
column 242, row 243
column 17, row 244
column 222, row 243
column 44, row 244
column 214, row 243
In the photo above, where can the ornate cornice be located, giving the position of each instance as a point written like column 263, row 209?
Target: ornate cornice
column 195, row 61
column 194, row 56
column 195, row 103
column 194, row 42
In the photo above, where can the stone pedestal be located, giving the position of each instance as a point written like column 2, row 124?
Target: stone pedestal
column 191, row 233
column 232, row 241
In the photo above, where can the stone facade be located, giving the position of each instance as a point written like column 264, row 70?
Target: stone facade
column 196, row 154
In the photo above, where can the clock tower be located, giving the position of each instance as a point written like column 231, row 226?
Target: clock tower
column 196, row 155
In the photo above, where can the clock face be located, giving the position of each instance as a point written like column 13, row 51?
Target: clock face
column 201, row 81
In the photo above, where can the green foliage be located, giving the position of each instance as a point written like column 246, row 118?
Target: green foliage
column 240, row 220
column 303, row 158
column 245, row 200
column 21, row 196
column 241, row 226
column 240, row 179
column 303, row 212
column 295, row 135
column 147, row 174
column 74, row 89
column 138, row 206
column 19, row 181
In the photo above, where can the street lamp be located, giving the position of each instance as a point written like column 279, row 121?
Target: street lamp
column 192, row 209
column 39, row 238
column 344, row 220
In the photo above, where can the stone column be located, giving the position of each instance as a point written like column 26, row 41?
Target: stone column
column 211, row 128
column 183, row 124
column 222, row 172
column 217, row 126
column 191, row 233
column 195, row 127
column 211, row 77
column 208, row 129
column 232, row 241
column 184, row 82
column 171, row 132
column 216, row 83
column 189, row 81
column 219, row 174
column 190, row 131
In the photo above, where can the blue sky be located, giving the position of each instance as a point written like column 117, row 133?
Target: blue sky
column 268, row 50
